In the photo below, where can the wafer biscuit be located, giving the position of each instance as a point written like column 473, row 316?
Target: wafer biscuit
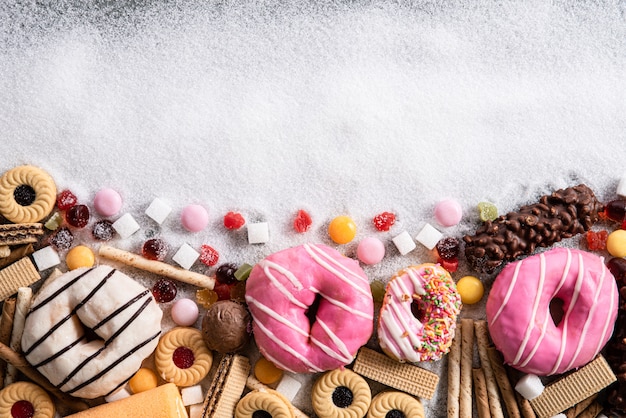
column 22, row 273
column 573, row 388
column 226, row 387
column 402, row 376
column 16, row 254
column 16, row 234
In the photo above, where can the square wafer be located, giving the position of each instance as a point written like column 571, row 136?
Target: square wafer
column 226, row 387
column 402, row 376
column 573, row 388
column 22, row 273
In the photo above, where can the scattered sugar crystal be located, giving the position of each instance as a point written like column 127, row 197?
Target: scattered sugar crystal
column 429, row 236
column 118, row 395
column 529, row 386
column 46, row 257
column 126, row 226
column 289, row 386
column 404, row 243
column 158, row 210
column 192, row 395
column 621, row 187
column 258, row 233
column 186, row 256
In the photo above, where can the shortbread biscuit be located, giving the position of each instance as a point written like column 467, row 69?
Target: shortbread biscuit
column 25, row 391
column 27, row 194
column 270, row 401
column 385, row 402
column 341, row 394
column 22, row 273
column 187, row 344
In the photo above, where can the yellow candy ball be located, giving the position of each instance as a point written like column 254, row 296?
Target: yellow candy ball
column 616, row 243
column 471, row 289
column 145, row 379
column 342, row 229
column 266, row 372
column 80, row 256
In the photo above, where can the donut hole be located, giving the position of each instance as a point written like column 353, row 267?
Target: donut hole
column 261, row 414
column 24, row 195
column 395, row 413
column 418, row 310
column 311, row 313
column 556, row 310
column 342, row 397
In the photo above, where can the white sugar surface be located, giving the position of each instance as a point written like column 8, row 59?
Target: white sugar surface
column 338, row 108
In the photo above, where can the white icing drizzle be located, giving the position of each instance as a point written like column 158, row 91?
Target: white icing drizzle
column 343, row 305
column 417, row 282
column 288, row 274
column 279, row 286
column 509, row 292
column 335, row 262
column 274, row 315
column 343, row 354
column 393, row 331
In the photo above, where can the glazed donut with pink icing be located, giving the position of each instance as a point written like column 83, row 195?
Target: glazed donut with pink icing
column 287, row 288
column 519, row 318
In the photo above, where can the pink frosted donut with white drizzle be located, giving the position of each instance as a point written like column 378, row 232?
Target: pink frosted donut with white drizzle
column 287, row 285
column 519, row 318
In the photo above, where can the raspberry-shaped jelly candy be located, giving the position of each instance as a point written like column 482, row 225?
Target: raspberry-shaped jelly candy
column 164, row 291
column 384, row 221
column 183, row 357
column 225, row 273
column 66, row 199
column 209, row 255
column 62, row 239
column 77, row 216
column 448, row 248
column 103, row 230
column 302, row 222
column 233, row 220
column 596, row 241
column 154, row 249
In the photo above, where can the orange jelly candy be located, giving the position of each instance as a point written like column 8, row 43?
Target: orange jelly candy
column 266, row 372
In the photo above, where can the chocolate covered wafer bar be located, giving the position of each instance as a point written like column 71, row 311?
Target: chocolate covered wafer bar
column 563, row 214
column 402, row 376
column 16, row 234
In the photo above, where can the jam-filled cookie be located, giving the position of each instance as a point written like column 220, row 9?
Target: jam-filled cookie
column 341, row 394
column 182, row 357
column 27, row 194
column 395, row 404
column 25, row 399
column 264, row 403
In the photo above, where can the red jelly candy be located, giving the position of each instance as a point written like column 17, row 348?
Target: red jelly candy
column 596, row 241
column 384, row 221
column 303, row 221
column 77, row 216
column 66, row 199
column 450, row 265
column 183, row 357
column 616, row 210
column 448, row 248
column 233, row 220
column 222, row 290
column 154, row 249
column 164, row 291
column 22, row 409
column 225, row 273
column 209, row 255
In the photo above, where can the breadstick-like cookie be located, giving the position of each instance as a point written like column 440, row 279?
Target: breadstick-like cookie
column 482, row 342
column 508, row 395
column 480, row 390
column 591, row 411
column 467, row 350
column 6, row 327
column 577, row 409
column 24, row 297
column 454, row 374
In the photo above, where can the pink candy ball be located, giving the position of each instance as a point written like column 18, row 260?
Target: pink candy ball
column 194, row 218
column 184, row 312
column 370, row 250
column 448, row 212
column 107, row 202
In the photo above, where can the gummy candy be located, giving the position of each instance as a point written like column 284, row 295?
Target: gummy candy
column 66, row 199
column 209, row 255
column 233, row 220
column 487, row 211
column 384, row 221
column 164, row 291
column 77, row 216
column 154, row 249
column 302, row 222
column 596, row 241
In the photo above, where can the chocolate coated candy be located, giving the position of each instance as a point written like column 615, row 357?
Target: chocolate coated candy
column 225, row 326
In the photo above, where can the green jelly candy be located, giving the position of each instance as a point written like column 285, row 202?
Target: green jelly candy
column 378, row 290
column 487, row 211
column 243, row 272
column 54, row 222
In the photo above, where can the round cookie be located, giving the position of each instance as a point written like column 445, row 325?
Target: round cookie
column 28, row 397
column 182, row 357
column 341, row 394
column 225, row 326
column 267, row 402
column 395, row 404
column 27, row 194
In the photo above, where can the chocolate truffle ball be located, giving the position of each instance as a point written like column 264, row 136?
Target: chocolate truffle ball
column 225, row 326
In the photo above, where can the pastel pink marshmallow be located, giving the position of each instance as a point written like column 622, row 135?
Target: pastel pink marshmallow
column 107, row 202
column 194, row 218
column 184, row 312
column 370, row 250
column 448, row 212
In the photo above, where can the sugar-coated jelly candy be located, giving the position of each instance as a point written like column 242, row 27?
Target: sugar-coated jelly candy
column 225, row 273
column 222, row 290
column 233, row 220
column 616, row 210
column 62, row 239
column 66, row 199
column 206, row 297
column 616, row 243
column 487, row 211
column 596, row 241
column 80, row 256
column 384, row 221
column 243, row 272
column 238, row 292
column 448, row 248
column 144, row 379
column 209, row 255
column 302, row 222
column 77, row 216
column 342, row 229
column 164, row 291
column 54, row 221
column 266, row 372
column 154, row 249
column 471, row 289
column 449, row 265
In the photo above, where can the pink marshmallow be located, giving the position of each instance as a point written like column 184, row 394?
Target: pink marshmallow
column 448, row 212
column 194, row 218
column 370, row 250
column 184, row 312
column 107, row 202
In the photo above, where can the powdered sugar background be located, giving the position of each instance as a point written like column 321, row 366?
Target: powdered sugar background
column 335, row 107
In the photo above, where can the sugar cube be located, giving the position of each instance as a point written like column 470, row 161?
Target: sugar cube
column 288, row 386
column 529, row 386
column 46, row 257
column 158, row 210
column 126, row 226
column 258, row 233
column 192, row 395
column 404, row 243
column 186, row 256
column 429, row 236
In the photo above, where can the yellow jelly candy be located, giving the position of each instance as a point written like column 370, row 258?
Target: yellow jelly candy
column 144, row 379
column 80, row 256
column 266, row 372
column 342, row 229
column 471, row 289
column 206, row 297
column 616, row 243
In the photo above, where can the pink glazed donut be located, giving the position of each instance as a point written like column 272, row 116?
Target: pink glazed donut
column 286, row 285
column 519, row 318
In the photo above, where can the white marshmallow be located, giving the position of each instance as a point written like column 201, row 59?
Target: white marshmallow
column 288, row 386
column 186, row 256
column 158, row 210
column 429, row 236
column 46, row 257
column 126, row 226
column 529, row 386
column 404, row 243
column 192, row 395
column 258, row 233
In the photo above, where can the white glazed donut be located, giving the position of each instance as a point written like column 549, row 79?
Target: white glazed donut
column 89, row 330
